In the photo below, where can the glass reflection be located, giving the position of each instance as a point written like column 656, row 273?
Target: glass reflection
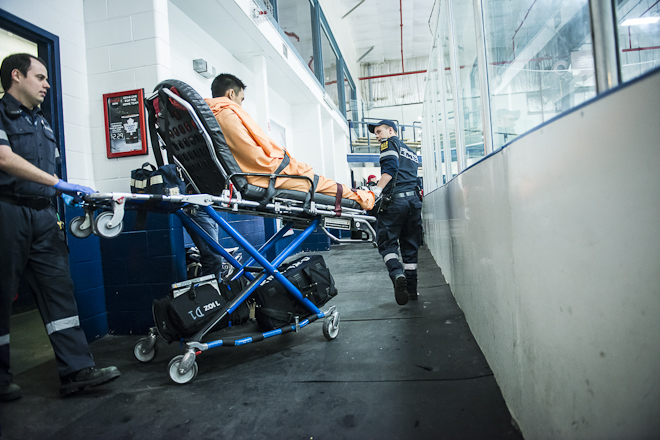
column 295, row 19
column 639, row 37
column 540, row 62
column 329, row 68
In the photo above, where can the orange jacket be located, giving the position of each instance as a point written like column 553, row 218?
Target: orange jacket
column 257, row 153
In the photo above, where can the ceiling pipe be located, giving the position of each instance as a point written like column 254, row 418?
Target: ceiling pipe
column 401, row 21
column 392, row 74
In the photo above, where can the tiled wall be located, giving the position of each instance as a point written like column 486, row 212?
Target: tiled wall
column 139, row 266
column 87, row 274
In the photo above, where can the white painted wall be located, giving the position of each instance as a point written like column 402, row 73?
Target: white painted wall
column 110, row 46
column 128, row 47
column 66, row 20
column 552, row 250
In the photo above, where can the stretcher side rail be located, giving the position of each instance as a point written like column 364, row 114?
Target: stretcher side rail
column 289, row 210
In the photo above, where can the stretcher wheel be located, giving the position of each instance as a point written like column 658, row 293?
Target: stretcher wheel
column 76, row 231
column 173, row 368
column 102, row 226
column 144, row 356
column 331, row 326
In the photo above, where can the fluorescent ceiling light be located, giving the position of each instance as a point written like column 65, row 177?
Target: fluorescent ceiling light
column 638, row 21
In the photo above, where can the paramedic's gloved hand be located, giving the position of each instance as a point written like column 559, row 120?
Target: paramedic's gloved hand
column 68, row 200
column 73, row 190
column 377, row 190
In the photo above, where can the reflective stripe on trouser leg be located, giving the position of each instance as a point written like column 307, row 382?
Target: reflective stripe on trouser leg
column 49, row 277
column 62, row 324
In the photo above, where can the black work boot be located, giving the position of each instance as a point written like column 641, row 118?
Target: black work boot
column 88, row 377
column 411, row 284
column 400, row 290
column 10, row 391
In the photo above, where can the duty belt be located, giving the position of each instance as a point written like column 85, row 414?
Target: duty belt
column 29, row 202
column 404, row 194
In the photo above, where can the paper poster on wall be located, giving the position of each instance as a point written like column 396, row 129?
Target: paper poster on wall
column 278, row 133
column 124, row 123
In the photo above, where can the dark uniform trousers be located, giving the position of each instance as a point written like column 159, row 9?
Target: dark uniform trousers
column 33, row 246
column 401, row 226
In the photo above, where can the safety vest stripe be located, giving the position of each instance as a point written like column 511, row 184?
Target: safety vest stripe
column 409, row 266
column 3, row 135
column 389, row 153
column 62, row 324
column 389, row 257
column 4, row 340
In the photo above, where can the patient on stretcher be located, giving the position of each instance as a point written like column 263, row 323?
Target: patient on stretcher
column 257, row 153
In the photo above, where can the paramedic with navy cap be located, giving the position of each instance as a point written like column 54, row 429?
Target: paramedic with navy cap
column 400, row 224
column 33, row 243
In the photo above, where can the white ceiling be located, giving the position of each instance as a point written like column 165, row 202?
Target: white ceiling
column 377, row 23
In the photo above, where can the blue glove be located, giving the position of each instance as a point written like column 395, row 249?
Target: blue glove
column 68, row 200
column 73, row 190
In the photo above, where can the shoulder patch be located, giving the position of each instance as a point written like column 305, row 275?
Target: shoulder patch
column 384, row 146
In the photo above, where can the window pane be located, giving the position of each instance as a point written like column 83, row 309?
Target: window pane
column 12, row 43
column 295, row 19
column 540, row 62
column 639, row 37
column 469, row 92
column 446, row 80
column 351, row 102
column 329, row 68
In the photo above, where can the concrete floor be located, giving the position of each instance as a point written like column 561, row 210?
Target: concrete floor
column 394, row 372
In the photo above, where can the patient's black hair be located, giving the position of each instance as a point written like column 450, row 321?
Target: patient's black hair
column 225, row 81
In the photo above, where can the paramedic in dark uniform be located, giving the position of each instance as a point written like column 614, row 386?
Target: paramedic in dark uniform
column 33, row 243
column 400, row 224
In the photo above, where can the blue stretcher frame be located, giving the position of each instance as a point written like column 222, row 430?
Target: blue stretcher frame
column 270, row 268
column 183, row 368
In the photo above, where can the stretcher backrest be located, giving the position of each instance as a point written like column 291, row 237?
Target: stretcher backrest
column 186, row 142
column 208, row 168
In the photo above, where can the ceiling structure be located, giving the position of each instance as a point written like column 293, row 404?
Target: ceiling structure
column 377, row 24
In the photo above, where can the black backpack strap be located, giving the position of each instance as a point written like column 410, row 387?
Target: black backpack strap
column 153, row 133
column 270, row 191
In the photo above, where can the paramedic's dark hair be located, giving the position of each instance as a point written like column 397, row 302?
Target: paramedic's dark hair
column 20, row 61
column 225, row 81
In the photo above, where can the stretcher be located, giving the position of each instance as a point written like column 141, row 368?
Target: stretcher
column 183, row 128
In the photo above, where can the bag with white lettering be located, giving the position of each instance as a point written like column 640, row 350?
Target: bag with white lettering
column 192, row 304
column 277, row 306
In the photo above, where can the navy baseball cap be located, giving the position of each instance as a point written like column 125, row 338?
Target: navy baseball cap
column 372, row 127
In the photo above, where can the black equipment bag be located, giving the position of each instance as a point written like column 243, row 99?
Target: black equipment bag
column 163, row 181
column 192, row 304
column 278, row 307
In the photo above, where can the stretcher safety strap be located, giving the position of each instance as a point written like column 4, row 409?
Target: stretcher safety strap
column 4, row 340
column 409, row 266
column 389, row 257
column 62, row 324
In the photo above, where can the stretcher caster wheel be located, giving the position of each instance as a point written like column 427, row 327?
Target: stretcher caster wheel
column 142, row 351
column 175, row 373
column 104, row 230
column 76, row 231
column 331, row 326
